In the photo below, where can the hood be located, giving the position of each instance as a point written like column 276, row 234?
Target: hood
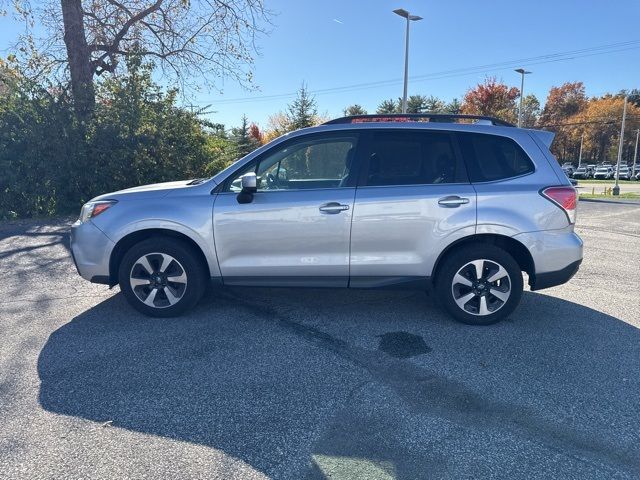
column 155, row 190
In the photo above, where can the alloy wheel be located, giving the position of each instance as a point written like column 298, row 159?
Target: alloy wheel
column 158, row 280
column 481, row 287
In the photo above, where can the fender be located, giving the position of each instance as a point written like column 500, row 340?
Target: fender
column 204, row 244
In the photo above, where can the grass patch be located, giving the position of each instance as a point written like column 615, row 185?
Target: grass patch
column 625, row 195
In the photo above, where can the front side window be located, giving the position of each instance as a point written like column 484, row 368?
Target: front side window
column 316, row 162
column 492, row 157
column 412, row 158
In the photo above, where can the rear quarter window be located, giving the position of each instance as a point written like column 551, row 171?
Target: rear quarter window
column 492, row 157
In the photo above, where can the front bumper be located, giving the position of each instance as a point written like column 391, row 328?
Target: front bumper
column 91, row 250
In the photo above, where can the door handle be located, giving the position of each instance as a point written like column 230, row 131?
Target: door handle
column 333, row 207
column 452, row 201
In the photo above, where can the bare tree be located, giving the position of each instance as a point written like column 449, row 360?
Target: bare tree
column 187, row 39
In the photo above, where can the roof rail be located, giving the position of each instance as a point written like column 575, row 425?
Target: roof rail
column 419, row 117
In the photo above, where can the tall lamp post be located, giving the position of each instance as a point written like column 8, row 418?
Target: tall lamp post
column 410, row 18
column 616, row 187
column 522, row 72
column 580, row 154
column 636, row 167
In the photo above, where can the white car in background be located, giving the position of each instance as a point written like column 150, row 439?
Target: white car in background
column 603, row 173
column 581, row 173
column 624, row 173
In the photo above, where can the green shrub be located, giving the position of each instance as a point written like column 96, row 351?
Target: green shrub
column 50, row 164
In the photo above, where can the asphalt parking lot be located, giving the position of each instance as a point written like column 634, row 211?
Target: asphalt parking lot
column 291, row 384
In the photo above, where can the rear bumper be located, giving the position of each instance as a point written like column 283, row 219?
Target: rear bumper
column 556, row 255
column 551, row 279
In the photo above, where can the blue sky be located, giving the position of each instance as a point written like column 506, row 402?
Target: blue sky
column 330, row 43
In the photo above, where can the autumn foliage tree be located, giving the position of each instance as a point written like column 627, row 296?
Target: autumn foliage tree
column 492, row 98
column 256, row 134
column 600, row 122
column 563, row 102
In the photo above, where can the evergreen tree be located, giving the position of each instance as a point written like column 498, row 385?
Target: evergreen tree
column 242, row 139
column 434, row 105
column 388, row 106
column 303, row 111
column 453, row 107
column 415, row 104
column 354, row 110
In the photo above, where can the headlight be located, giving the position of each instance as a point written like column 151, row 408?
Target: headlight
column 93, row 209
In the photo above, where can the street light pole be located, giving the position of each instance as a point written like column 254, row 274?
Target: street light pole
column 580, row 154
column 522, row 72
column 616, row 187
column 635, row 154
column 406, row 68
column 403, row 13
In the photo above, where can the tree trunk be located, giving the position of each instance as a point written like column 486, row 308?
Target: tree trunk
column 79, row 58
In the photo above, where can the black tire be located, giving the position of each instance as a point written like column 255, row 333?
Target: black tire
column 185, row 261
column 469, row 313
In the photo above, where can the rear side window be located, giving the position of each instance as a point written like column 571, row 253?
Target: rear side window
column 411, row 158
column 492, row 157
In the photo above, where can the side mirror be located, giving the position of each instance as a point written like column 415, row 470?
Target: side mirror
column 249, row 183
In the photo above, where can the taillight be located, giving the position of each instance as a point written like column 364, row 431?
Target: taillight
column 565, row 197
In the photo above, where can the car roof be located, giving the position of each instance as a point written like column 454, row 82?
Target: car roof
column 505, row 131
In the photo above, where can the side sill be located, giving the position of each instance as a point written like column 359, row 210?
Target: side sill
column 391, row 283
column 286, row 281
column 381, row 282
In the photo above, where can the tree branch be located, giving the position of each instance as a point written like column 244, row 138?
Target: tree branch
column 125, row 28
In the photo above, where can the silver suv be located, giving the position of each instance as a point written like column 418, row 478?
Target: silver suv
column 460, row 205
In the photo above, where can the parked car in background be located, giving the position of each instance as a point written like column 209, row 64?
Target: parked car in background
column 603, row 173
column 624, row 173
column 581, row 173
column 568, row 168
column 367, row 201
column 591, row 168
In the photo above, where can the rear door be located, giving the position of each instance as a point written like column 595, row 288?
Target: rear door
column 413, row 199
column 507, row 182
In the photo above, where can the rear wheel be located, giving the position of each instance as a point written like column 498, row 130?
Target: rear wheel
column 162, row 277
column 479, row 284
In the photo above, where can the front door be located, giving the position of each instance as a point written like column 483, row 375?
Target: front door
column 412, row 201
column 296, row 231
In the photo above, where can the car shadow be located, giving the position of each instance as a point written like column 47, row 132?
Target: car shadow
column 273, row 377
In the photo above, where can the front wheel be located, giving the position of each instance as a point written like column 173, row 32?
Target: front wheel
column 162, row 277
column 479, row 284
